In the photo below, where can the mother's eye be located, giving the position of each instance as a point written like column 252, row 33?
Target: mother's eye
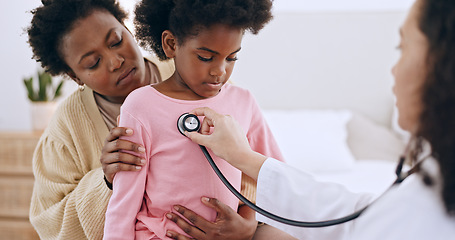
column 93, row 66
column 118, row 43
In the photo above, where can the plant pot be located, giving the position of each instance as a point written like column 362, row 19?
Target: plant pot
column 41, row 113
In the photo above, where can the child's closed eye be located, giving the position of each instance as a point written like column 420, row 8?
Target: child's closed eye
column 204, row 59
column 232, row 59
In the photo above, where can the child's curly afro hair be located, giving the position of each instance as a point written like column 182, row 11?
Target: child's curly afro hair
column 184, row 17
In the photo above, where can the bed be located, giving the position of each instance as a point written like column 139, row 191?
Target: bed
column 338, row 145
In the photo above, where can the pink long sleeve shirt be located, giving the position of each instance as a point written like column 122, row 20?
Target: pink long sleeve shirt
column 176, row 171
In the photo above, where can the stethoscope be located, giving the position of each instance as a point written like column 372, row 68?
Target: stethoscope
column 190, row 123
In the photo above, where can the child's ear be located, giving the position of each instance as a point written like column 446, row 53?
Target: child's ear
column 169, row 43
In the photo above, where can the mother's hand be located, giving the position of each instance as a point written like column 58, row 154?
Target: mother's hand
column 228, row 224
column 114, row 160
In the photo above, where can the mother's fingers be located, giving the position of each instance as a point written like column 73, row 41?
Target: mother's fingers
column 116, row 162
column 120, row 144
column 228, row 225
column 184, row 225
column 117, row 132
column 194, row 218
column 114, row 143
column 120, row 155
column 113, row 152
column 176, row 235
column 223, row 211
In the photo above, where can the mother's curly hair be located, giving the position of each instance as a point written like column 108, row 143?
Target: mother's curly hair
column 54, row 19
column 437, row 120
column 185, row 17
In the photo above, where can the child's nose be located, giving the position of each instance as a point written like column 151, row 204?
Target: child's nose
column 218, row 70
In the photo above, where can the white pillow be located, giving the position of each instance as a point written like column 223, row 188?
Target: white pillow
column 369, row 140
column 312, row 140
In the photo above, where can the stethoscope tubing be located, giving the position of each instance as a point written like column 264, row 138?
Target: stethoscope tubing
column 270, row 215
column 315, row 224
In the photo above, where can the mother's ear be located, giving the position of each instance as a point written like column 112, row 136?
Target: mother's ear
column 73, row 76
column 169, row 43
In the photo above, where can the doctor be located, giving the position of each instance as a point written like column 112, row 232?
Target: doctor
column 423, row 206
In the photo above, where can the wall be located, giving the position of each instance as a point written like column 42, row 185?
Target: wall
column 15, row 63
column 323, row 60
column 340, row 5
column 307, row 43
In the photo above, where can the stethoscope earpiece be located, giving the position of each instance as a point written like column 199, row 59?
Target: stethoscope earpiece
column 188, row 122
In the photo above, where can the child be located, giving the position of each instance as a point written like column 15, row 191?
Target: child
column 203, row 38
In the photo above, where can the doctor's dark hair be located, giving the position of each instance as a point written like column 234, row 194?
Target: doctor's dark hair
column 54, row 19
column 184, row 18
column 437, row 120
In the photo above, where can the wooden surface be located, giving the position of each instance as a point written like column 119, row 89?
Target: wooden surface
column 16, row 184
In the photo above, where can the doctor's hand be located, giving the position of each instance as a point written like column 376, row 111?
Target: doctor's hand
column 114, row 160
column 228, row 141
column 228, row 224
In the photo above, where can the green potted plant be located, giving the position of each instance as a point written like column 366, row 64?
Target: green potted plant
column 42, row 93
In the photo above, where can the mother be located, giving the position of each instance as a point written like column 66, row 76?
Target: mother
column 87, row 41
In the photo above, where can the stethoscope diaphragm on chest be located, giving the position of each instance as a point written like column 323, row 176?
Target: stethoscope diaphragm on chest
column 189, row 123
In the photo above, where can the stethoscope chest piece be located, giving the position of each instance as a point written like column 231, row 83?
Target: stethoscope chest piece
column 188, row 122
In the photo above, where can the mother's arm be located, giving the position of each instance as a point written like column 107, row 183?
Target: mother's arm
column 64, row 193
column 67, row 183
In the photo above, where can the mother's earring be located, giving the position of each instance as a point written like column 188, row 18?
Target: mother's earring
column 81, row 87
